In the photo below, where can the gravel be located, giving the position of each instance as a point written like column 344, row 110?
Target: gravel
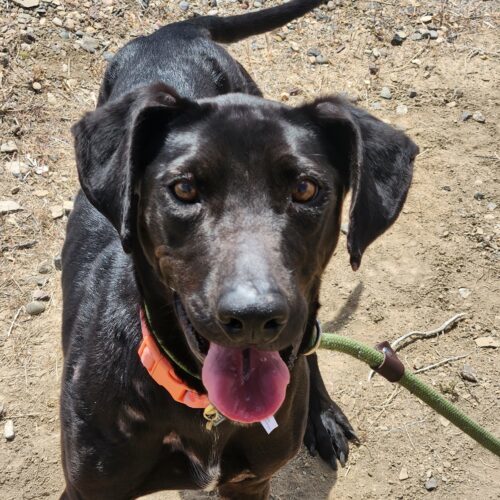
column 35, row 308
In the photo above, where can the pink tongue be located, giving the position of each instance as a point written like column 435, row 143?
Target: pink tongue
column 245, row 385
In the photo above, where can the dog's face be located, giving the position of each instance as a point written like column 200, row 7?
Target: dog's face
column 235, row 203
column 238, row 213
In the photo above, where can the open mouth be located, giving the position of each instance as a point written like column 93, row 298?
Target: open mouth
column 245, row 384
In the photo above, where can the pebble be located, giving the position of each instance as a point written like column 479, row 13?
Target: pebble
column 466, row 115
column 108, row 56
column 433, row 34
column 51, row 98
column 478, row 196
column 412, row 93
column 401, row 109
column 37, row 86
column 321, row 59
column 57, row 21
column 45, row 268
column 487, row 342
column 9, row 206
column 8, row 430
column 478, row 117
column 344, row 228
column 426, row 19
column 35, row 308
column 89, row 44
column 313, row 51
column 397, row 39
column 67, row 206
column 416, row 37
column 56, row 211
column 373, row 69
column 17, row 168
column 431, row 484
column 385, row 93
column 464, row 292
column 27, row 4
column 184, row 6
column 8, row 147
column 40, row 295
column 57, row 262
column 468, row 373
column 491, row 205
column 403, row 474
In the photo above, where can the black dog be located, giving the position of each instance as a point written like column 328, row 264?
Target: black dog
column 206, row 218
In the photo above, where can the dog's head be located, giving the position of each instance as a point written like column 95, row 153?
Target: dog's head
column 235, row 202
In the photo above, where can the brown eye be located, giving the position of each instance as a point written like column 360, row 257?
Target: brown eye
column 185, row 191
column 305, row 190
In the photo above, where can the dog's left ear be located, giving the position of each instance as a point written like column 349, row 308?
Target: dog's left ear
column 375, row 159
column 114, row 143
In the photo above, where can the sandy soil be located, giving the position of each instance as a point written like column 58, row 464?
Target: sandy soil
column 440, row 258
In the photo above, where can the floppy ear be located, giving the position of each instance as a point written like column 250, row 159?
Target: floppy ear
column 377, row 162
column 115, row 142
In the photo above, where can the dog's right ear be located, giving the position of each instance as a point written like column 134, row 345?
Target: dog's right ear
column 115, row 142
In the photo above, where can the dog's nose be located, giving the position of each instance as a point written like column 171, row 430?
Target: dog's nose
column 246, row 315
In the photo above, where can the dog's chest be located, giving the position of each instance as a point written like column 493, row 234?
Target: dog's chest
column 205, row 472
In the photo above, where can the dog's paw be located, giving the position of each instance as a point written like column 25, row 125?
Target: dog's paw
column 328, row 433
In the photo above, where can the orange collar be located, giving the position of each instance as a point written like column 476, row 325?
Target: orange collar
column 162, row 371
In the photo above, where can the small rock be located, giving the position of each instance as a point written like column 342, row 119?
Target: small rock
column 487, row 342
column 376, row 105
column 478, row 117
column 416, row 37
column 451, row 104
column 465, row 116
column 8, row 147
column 433, row 34
column 321, row 59
column 57, row 262
column 373, row 69
column 468, row 373
column 17, row 168
column 431, row 484
column 8, row 430
column 401, row 109
column 403, row 474
column 184, row 6
column 313, row 51
column 385, row 93
column 376, row 53
column 426, row 19
column 491, row 205
column 108, row 56
column 445, row 423
column 9, row 206
column 464, row 292
column 35, row 308
column 45, row 268
column 57, row 21
column 40, row 295
column 41, row 193
column 412, row 93
column 67, row 206
column 478, row 196
column 56, row 211
column 344, row 228
column 27, row 4
column 36, row 86
column 89, row 44
column 397, row 40
column 51, row 98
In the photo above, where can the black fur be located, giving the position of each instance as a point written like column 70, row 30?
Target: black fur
column 131, row 241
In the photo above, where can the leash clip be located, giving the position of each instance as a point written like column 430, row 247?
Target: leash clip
column 317, row 340
column 391, row 367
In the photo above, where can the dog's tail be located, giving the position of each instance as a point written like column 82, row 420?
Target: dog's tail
column 235, row 28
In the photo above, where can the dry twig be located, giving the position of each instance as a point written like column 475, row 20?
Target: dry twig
column 442, row 362
column 14, row 321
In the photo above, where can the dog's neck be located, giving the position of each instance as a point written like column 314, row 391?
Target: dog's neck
column 163, row 321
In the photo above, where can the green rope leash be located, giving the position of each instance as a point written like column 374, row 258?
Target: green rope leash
column 409, row 381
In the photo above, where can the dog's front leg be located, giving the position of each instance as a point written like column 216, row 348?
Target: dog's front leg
column 328, row 431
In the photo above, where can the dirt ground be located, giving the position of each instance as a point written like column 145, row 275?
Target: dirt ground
column 439, row 259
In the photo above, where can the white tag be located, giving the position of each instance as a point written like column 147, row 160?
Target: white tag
column 269, row 424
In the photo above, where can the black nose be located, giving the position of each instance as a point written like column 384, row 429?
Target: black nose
column 249, row 316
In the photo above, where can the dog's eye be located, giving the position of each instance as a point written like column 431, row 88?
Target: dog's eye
column 305, row 190
column 185, row 191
